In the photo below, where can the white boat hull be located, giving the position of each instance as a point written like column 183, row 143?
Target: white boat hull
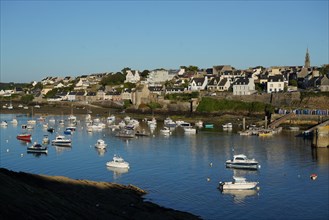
column 118, row 165
column 237, row 186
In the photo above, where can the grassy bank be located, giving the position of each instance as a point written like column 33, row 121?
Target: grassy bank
column 210, row 105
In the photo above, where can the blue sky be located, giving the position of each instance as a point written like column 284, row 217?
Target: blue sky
column 71, row 38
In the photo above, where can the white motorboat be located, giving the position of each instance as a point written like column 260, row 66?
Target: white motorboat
column 14, row 121
column 190, row 130
column 100, row 144
column 183, row 123
column 31, row 122
column 165, row 131
column 238, row 183
column 118, row 162
column 153, row 121
column 168, row 122
column 111, row 119
column 52, row 120
column 227, row 125
column 72, row 118
column 60, row 140
column 199, row 124
column 4, row 124
column 241, row 161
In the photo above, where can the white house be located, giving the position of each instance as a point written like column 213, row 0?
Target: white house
column 71, row 96
column 132, row 77
column 59, row 85
column 275, row 84
column 243, row 86
column 159, row 76
column 197, row 84
column 219, row 84
column 83, row 83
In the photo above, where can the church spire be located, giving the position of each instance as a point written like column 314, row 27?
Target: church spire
column 307, row 60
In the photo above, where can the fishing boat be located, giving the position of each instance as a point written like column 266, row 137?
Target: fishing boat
column 241, row 161
column 37, row 148
column 118, row 162
column 126, row 133
column 100, row 144
column 238, row 183
column 61, row 141
column 24, row 137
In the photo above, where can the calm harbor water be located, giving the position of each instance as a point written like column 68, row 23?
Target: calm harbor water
column 176, row 170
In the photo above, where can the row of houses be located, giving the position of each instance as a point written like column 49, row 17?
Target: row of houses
column 216, row 79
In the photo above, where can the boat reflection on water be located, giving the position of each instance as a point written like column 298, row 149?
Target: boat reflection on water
column 100, row 151
column 117, row 172
column 61, row 149
column 240, row 195
column 37, row 154
column 27, row 142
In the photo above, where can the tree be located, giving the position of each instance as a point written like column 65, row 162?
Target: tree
column 190, row 68
column 129, row 85
column 124, row 70
column 113, row 79
column 144, row 74
column 292, row 82
column 324, row 69
column 154, row 105
column 27, row 99
column 193, row 68
column 38, row 86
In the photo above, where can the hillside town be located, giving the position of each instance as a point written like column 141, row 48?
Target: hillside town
column 136, row 87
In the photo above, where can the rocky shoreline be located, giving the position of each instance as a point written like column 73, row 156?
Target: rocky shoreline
column 34, row 196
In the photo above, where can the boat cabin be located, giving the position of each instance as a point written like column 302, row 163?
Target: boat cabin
column 240, row 157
